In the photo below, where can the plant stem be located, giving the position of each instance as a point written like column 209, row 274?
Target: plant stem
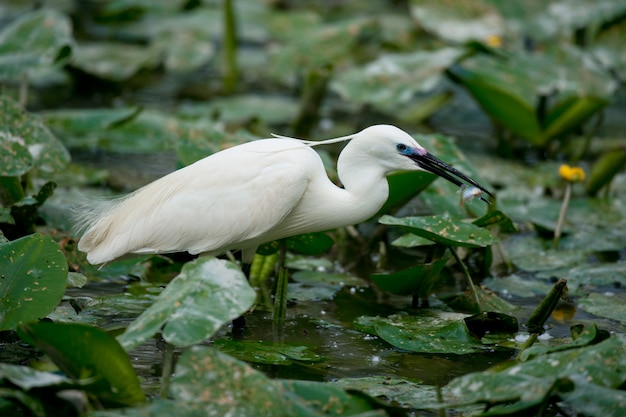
column 470, row 283
column 561, row 220
column 313, row 95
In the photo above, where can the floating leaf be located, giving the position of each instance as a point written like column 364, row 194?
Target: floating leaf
column 34, row 278
column 207, row 294
column 609, row 305
column 444, row 230
column 268, row 353
column 427, row 333
column 114, row 61
column 86, row 352
column 394, row 80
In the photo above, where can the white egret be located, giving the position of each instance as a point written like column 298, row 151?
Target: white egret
column 254, row 193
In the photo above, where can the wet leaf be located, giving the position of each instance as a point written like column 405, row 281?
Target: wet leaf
column 392, row 390
column 430, row 332
column 33, row 278
column 39, row 38
column 207, row 294
column 83, row 352
column 444, row 229
column 267, row 353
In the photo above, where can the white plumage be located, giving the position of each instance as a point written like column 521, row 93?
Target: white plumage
column 253, row 193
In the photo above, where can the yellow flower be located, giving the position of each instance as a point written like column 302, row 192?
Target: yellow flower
column 495, row 41
column 572, row 174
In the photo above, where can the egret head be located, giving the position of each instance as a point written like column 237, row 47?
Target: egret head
column 396, row 150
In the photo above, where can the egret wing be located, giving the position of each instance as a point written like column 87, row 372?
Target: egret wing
column 216, row 204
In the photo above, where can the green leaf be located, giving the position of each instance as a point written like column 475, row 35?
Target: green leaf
column 393, row 81
column 213, row 383
column 444, row 230
column 83, row 352
column 15, row 159
column 502, row 90
column 310, row 243
column 604, row 305
column 39, row 38
column 458, row 22
column 267, row 353
column 207, row 294
column 114, row 61
column 570, row 113
column 417, row 280
column 33, row 274
column 604, row 170
column 496, row 217
column 428, row 333
column 566, row 375
column 48, row 154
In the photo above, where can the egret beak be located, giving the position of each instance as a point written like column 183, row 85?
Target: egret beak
column 430, row 163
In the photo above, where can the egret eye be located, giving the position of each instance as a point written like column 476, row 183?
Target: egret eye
column 401, row 147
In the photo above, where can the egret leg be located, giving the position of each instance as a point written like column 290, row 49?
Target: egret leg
column 240, row 322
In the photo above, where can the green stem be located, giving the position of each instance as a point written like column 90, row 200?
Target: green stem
column 23, row 98
column 561, row 220
column 312, row 97
column 542, row 312
column 470, row 283
column 231, row 70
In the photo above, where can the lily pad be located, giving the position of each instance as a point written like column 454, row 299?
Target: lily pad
column 593, row 275
column 394, row 80
column 392, row 390
column 444, row 229
column 607, row 305
column 267, row 353
column 432, row 332
column 207, row 294
column 114, row 61
column 518, row 286
column 458, row 22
